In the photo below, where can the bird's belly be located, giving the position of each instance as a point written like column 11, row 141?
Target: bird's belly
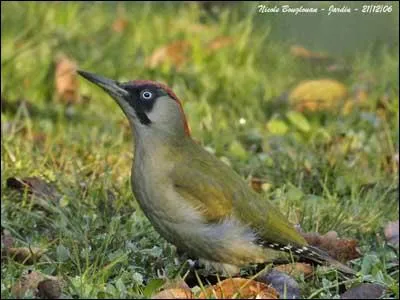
column 227, row 241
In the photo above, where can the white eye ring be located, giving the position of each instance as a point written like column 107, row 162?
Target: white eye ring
column 147, row 95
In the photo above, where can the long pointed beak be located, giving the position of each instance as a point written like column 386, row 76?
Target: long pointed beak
column 110, row 86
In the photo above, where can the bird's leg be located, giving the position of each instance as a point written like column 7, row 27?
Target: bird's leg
column 194, row 264
column 183, row 258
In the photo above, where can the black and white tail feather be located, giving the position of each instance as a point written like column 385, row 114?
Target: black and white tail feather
column 310, row 253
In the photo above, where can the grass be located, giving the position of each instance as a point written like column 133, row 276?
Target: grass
column 337, row 174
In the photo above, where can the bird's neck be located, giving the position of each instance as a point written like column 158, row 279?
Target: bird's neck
column 152, row 142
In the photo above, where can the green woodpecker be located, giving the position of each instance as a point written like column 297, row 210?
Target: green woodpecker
column 194, row 200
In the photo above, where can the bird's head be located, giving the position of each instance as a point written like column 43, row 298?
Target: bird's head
column 146, row 104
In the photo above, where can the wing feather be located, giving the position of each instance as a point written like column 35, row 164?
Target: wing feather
column 218, row 192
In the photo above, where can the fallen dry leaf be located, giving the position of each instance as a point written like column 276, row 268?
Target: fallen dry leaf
column 330, row 64
column 177, row 283
column 49, row 289
column 316, row 95
column 392, row 232
column 303, row 53
column 174, row 289
column 25, row 255
column 364, row 291
column 241, row 288
column 341, row 249
column 66, row 80
column 27, row 282
column 36, row 187
column 120, row 24
column 32, row 281
column 176, row 293
column 175, row 54
column 37, row 137
column 259, row 185
column 284, row 284
column 295, row 269
column 219, row 43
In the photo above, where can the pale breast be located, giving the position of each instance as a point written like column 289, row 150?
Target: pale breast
column 156, row 193
column 181, row 223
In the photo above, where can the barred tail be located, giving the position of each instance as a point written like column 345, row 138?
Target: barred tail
column 313, row 254
column 321, row 257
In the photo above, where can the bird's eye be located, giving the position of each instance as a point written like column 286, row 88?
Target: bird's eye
column 147, row 95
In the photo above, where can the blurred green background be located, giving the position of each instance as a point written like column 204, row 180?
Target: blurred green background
column 337, row 33
column 303, row 107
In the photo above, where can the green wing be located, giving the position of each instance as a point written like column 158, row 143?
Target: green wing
column 216, row 190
